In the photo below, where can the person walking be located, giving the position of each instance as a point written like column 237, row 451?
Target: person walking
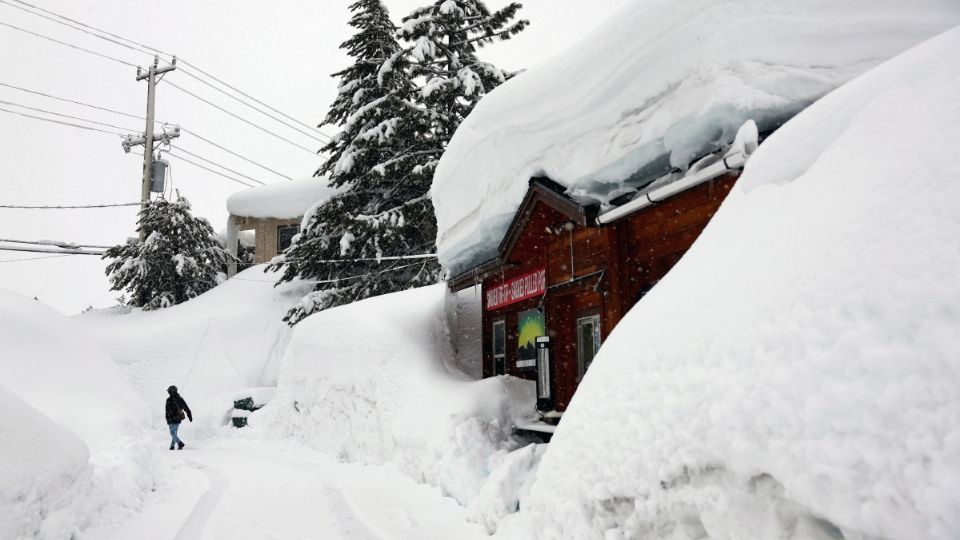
column 177, row 411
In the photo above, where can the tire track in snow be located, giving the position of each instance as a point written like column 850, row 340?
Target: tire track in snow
column 196, row 523
column 351, row 523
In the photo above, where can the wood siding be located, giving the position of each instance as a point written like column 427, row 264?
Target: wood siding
column 609, row 267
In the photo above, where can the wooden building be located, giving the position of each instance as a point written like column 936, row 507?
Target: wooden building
column 565, row 275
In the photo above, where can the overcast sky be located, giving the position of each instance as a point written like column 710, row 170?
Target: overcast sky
column 280, row 52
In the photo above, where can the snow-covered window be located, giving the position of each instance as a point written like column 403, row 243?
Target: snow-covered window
column 499, row 343
column 285, row 234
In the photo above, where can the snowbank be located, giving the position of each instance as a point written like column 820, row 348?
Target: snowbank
column 282, row 200
column 74, row 451
column 227, row 339
column 795, row 375
column 49, row 362
column 375, row 382
column 659, row 84
column 40, row 465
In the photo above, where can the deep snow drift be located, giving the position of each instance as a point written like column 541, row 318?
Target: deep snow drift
column 796, row 374
column 375, row 382
column 72, row 452
column 659, row 84
column 226, row 340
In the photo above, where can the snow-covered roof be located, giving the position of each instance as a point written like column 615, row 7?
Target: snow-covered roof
column 659, row 84
column 802, row 354
column 283, row 200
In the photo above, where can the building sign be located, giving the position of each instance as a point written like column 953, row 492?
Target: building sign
column 530, row 326
column 517, row 289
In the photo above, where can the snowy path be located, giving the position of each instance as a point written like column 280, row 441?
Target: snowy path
column 251, row 490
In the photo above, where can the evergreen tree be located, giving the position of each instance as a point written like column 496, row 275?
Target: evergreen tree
column 393, row 132
column 445, row 36
column 179, row 259
column 382, row 160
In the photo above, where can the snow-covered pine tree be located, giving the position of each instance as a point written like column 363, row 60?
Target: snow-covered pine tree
column 382, row 160
column 180, row 258
column 445, row 36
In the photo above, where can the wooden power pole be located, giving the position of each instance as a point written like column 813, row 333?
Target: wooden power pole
column 148, row 136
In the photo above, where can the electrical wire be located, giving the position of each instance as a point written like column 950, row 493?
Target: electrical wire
column 27, row 115
column 215, row 164
column 171, row 154
column 35, row 109
column 77, row 47
column 67, row 207
column 261, row 111
column 140, row 47
column 231, row 152
column 70, row 100
column 64, row 245
column 67, row 24
column 238, row 117
column 41, row 250
column 185, row 130
column 37, row 258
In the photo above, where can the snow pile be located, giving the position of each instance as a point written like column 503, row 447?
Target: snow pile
column 40, row 465
column 796, row 374
column 375, row 382
column 282, row 200
column 50, row 363
column 227, row 339
column 73, row 450
column 659, row 84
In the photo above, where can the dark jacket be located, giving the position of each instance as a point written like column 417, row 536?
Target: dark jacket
column 174, row 404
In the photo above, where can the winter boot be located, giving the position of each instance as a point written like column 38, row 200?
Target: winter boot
column 180, row 445
column 171, row 446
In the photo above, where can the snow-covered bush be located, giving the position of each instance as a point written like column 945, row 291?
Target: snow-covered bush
column 796, row 374
column 179, row 259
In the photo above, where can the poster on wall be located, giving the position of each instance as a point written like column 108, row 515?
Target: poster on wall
column 530, row 325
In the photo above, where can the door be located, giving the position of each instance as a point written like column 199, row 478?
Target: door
column 588, row 341
column 499, row 344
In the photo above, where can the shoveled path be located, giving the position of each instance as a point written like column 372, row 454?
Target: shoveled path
column 239, row 490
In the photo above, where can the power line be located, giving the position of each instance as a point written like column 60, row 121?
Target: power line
column 238, row 117
column 67, row 207
column 42, row 250
column 77, row 47
column 38, row 8
column 67, row 24
column 143, row 48
column 36, row 258
column 255, row 100
column 261, row 111
column 27, row 115
column 227, row 150
column 64, row 245
column 232, row 179
column 214, row 163
column 63, row 115
column 105, row 109
column 35, row 92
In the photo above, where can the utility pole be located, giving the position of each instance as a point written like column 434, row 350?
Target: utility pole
column 148, row 136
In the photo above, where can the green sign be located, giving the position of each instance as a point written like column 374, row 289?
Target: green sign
column 530, row 326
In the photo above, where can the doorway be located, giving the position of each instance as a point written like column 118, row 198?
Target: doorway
column 588, row 342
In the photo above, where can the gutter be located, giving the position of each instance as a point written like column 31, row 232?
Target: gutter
column 734, row 160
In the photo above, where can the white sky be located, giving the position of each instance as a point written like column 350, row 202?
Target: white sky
column 281, row 52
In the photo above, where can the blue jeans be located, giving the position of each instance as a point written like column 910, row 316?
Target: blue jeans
column 173, row 434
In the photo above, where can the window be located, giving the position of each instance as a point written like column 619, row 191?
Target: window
column 499, row 346
column 588, row 341
column 285, row 234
